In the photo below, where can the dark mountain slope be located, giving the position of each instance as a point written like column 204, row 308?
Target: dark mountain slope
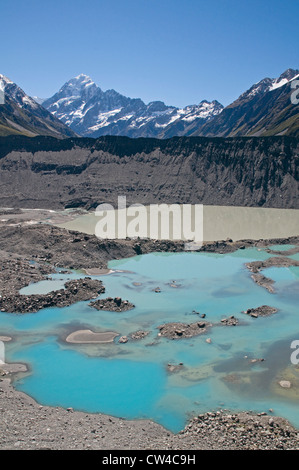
column 265, row 109
column 20, row 114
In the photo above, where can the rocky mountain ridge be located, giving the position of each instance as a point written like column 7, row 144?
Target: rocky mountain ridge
column 91, row 112
column 21, row 114
column 264, row 109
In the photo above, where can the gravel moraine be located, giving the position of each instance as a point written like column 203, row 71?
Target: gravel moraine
column 112, row 305
column 76, row 290
column 24, row 424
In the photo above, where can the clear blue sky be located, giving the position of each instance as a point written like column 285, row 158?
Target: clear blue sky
column 177, row 51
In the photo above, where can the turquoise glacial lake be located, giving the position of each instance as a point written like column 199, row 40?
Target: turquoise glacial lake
column 132, row 380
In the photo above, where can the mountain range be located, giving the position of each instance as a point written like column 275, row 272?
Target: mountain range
column 265, row 109
column 91, row 112
column 82, row 108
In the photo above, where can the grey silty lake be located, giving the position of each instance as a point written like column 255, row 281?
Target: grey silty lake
column 221, row 222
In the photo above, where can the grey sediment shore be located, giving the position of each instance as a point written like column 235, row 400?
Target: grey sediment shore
column 25, row 424
column 89, row 336
column 277, row 261
column 28, row 425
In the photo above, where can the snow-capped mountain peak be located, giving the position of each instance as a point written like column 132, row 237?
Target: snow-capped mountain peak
column 77, row 86
column 38, row 100
column 270, row 84
column 284, row 78
column 4, row 80
column 89, row 111
column 83, row 78
column 14, row 92
column 264, row 109
column 22, row 114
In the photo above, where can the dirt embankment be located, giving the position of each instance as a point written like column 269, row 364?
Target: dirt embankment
column 86, row 172
column 53, row 246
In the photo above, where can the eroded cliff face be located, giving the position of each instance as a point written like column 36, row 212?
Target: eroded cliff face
column 44, row 172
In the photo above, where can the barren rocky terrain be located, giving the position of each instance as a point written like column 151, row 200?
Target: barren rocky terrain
column 44, row 172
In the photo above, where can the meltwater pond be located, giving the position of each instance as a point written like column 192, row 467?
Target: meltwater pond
column 133, row 380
